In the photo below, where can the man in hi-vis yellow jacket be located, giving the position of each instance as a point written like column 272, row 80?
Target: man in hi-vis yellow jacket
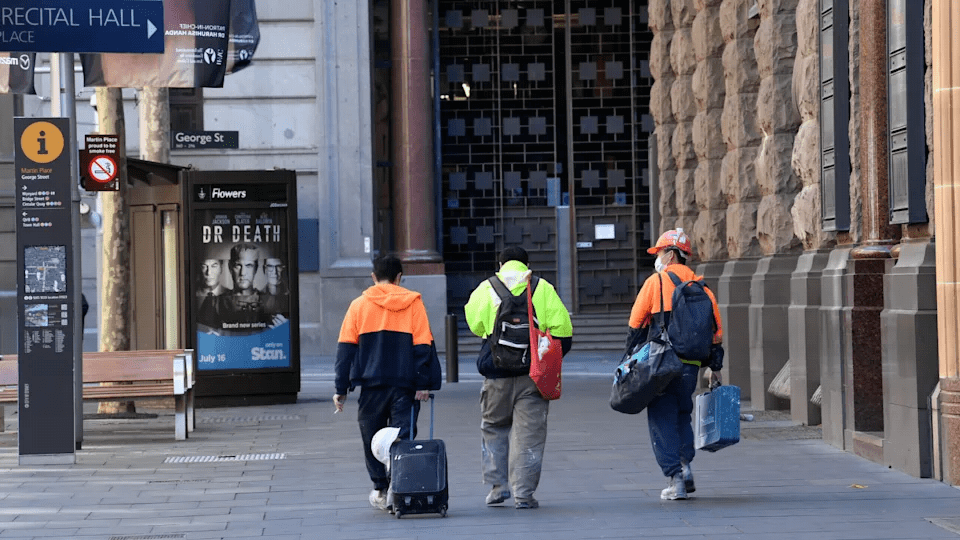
column 513, row 413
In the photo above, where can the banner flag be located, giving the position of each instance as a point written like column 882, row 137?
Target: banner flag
column 16, row 73
column 196, row 40
column 244, row 34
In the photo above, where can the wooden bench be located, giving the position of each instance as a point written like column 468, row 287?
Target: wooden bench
column 140, row 374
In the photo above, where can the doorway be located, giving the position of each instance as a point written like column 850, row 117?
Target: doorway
column 545, row 104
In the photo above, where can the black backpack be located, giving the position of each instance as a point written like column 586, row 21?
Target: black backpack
column 692, row 323
column 510, row 338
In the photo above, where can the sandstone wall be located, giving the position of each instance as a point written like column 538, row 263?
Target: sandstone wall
column 710, row 230
column 739, row 128
column 776, row 47
column 684, row 63
column 661, row 108
column 928, row 106
column 856, row 210
column 735, row 191
column 806, row 211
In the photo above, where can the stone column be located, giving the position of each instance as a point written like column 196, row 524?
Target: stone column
column 833, row 368
column 803, row 316
column 804, row 311
column 661, row 108
column 909, row 326
column 775, row 45
column 710, row 230
column 684, row 63
column 946, row 122
column 414, row 197
column 733, row 293
column 853, row 129
column 806, row 148
column 833, row 363
column 865, row 296
column 741, row 133
column 909, row 340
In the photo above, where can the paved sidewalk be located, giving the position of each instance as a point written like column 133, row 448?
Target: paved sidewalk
column 296, row 472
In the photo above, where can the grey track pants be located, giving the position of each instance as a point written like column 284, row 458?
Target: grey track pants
column 514, row 429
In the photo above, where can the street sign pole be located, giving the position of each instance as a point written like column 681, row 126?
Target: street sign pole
column 64, row 104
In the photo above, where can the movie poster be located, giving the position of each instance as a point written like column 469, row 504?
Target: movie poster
column 242, row 288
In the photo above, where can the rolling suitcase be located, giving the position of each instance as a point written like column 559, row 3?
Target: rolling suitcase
column 418, row 474
column 717, row 419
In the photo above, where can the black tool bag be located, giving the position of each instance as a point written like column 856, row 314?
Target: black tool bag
column 646, row 372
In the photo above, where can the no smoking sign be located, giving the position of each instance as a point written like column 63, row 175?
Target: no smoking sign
column 99, row 162
column 103, row 169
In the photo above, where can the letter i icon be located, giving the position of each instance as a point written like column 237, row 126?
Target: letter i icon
column 43, row 143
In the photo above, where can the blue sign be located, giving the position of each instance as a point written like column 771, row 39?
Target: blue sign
column 267, row 349
column 82, row 26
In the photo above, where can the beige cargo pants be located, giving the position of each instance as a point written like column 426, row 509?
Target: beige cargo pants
column 514, row 429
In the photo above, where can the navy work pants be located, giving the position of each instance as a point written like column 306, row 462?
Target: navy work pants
column 380, row 407
column 668, row 416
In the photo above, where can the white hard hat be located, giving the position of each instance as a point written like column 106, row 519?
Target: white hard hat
column 381, row 443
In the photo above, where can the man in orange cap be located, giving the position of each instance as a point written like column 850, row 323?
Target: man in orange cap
column 668, row 415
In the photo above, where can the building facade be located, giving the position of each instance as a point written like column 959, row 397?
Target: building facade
column 794, row 140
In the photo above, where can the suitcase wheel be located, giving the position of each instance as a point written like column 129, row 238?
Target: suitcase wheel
column 443, row 511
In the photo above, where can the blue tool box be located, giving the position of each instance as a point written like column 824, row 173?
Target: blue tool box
column 717, row 419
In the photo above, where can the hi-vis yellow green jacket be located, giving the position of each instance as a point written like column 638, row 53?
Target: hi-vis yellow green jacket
column 481, row 312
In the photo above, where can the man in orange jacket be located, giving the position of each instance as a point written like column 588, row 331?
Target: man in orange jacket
column 668, row 415
column 387, row 349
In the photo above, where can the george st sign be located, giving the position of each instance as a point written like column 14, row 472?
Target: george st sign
column 82, row 26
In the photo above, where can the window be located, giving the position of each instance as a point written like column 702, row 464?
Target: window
column 186, row 109
column 834, row 115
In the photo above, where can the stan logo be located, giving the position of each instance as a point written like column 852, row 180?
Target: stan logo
column 259, row 353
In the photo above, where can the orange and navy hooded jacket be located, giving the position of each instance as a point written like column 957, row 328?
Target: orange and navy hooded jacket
column 385, row 340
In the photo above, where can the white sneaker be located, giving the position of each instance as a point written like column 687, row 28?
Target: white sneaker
column 687, row 473
column 497, row 495
column 378, row 499
column 675, row 490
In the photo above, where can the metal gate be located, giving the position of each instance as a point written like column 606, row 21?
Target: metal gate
column 544, row 104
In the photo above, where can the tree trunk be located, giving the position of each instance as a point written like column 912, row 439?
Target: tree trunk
column 116, row 314
column 154, row 109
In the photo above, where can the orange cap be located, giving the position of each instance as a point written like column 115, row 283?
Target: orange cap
column 672, row 238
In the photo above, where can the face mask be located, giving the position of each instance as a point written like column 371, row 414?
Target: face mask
column 658, row 265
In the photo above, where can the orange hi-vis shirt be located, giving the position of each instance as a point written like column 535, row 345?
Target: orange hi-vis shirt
column 648, row 300
column 387, row 307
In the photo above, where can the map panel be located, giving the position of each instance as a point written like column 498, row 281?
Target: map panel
column 45, row 269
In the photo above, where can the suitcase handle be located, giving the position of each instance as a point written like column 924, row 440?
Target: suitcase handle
column 413, row 418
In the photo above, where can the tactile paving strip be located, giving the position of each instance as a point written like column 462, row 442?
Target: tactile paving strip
column 219, row 459
column 248, row 419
